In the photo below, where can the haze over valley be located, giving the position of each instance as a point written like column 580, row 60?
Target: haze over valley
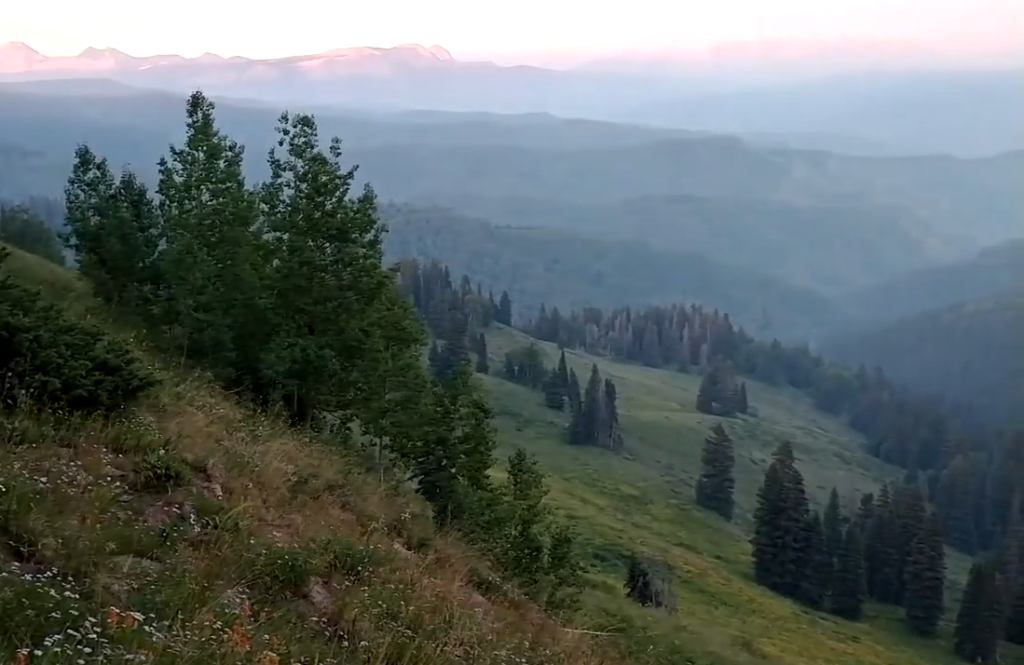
column 591, row 352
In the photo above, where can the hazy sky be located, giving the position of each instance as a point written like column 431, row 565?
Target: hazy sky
column 474, row 28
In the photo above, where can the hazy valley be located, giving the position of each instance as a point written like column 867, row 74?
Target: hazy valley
column 738, row 389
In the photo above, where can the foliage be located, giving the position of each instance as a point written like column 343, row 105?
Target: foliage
column 22, row 227
column 279, row 291
column 52, row 361
column 716, row 484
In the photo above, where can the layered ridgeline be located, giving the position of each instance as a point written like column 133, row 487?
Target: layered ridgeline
column 859, row 219
column 624, row 453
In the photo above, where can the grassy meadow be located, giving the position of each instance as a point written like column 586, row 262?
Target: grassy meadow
column 643, row 502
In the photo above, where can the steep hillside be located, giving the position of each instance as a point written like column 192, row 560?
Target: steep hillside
column 538, row 265
column 191, row 529
column 643, row 502
column 992, row 271
column 971, row 352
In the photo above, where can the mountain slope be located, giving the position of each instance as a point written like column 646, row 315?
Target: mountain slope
column 191, row 530
column 992, row 271
column 971, row 352
column 643, row 502
column 540, row 265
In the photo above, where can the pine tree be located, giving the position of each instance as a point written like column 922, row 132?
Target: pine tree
column 848, row 588
column 832, row 526
column 553, row 396
column 504, row 313
column 706, row 393
column 563, row 373
column 743, row 406
column 926, row 579
column 716, row 484
column 594, row 428
column 978, row 621
column 817, row 566
column 779, row 551
column 482, row 365
column 611, row 409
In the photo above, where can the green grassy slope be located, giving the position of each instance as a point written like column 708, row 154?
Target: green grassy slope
column 644, row 502
column 190, row 530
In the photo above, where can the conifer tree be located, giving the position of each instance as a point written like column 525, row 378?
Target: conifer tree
column 716, row 484
column 482, row 365
column 779, row 543
column 611, row 408
column 594, row 426
column 504, row 313
column 817, row 566
column 706, row 393
column 563, row 373
column 926, row 579
column 553, row 394
column 742, row 406
column 979, row 621
column 832, row 527
column 848, row 588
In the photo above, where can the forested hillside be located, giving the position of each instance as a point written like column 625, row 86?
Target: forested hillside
column 972, row 352
column 537, row 264
column 994, row 270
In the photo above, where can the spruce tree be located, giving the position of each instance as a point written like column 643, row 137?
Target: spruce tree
column 563, row 373
column 817, row 565
column 553, row 393
column 716, row 484
column 779, row 544
column 926, row 579
column 594, row 426
column 1015, row 616
column 482, row 365
column 743, row 406
column 832, row 526
column 848, row 588
column 706, row 393
column 978, row 621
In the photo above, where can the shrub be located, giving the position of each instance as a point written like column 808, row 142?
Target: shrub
column 48, row 359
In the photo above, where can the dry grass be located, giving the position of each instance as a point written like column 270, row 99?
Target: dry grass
column 195, row 531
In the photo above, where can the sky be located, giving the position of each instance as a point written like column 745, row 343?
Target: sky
column 501, row 28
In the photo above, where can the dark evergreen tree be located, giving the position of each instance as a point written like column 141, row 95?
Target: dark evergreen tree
column 611, row 408
column 563, row 373
column 742, row 405
column 832, row 525
column 504, row 313
column 979, row 619
column 716, row 484
column 780, row 522
column 926, row 579
column 848, row 588
column 482, row 365
column 554, row 397
column 817, row 565
column 706, row 393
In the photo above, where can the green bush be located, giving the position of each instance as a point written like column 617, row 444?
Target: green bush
column 50, row 360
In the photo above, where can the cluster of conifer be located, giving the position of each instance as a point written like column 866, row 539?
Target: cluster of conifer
column 278, row 290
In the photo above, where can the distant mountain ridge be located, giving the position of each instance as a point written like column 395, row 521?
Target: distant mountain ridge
column 20, row 58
